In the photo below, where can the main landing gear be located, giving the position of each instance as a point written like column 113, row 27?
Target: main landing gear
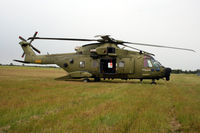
column 96, row 79
column 153, row 81
column 86, row 80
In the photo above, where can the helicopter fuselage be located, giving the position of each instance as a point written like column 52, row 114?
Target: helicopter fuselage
column 104, row 61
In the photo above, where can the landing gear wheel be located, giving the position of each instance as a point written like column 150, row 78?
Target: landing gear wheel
column 153, row 82
column 96, row 79
column 141, row 80
column 167, row 78
column 86, row 80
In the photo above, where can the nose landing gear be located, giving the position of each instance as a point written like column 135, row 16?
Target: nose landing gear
column 167, row 73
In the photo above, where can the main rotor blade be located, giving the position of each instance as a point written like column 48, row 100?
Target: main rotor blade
column 136, row 49
column 151, row 45
column 68, row 39
column 34, row 36
column 35, row 48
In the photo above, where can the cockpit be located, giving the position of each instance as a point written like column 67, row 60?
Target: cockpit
column 151, row 63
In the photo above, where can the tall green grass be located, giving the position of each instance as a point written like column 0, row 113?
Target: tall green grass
column 31, row 100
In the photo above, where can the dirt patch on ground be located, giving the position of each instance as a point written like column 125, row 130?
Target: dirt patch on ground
column 174, row 123
column 4, row 129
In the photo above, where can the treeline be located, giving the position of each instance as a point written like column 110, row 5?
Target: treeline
column 179, row 71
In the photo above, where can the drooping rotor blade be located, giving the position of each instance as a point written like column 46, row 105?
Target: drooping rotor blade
column 21, row 38
column 35, row 48
column 23, row 55
column 21, row 61
column 34, row 36
column 151, row 45
column 137, row 49
column 68, row 39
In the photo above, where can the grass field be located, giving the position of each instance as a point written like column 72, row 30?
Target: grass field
column 31, row 100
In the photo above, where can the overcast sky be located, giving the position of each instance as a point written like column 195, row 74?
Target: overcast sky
column 161, row 22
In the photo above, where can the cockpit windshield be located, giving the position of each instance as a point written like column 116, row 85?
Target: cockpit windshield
column 156, row 64
column 151, row 62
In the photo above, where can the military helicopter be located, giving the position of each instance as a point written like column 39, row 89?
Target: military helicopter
column 103, row 59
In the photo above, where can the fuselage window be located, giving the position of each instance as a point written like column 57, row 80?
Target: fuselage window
column 121, row 64
column 82, row 64
column 94, row 64
column 71, row 61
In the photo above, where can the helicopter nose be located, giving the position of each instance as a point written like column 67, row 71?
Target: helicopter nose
column 167, row 73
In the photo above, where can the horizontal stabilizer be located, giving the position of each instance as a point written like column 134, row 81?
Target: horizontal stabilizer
column 21, row 61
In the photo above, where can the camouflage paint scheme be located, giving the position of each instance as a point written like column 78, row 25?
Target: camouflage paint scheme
column 92, row 54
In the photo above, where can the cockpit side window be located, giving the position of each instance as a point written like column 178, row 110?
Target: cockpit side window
column 147, row 62
column 121, row 64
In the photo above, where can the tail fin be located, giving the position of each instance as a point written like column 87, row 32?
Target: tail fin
column 27, row 46
column 28, row 51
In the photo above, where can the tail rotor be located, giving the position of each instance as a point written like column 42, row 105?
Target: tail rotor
column 25, row 43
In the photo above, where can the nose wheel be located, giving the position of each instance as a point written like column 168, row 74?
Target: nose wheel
column 167, row 73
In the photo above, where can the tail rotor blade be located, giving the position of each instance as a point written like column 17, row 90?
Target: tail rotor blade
column 23, row 55
column 34, row 36
column 21, row 38
column 32, row 41
column 35, row 49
